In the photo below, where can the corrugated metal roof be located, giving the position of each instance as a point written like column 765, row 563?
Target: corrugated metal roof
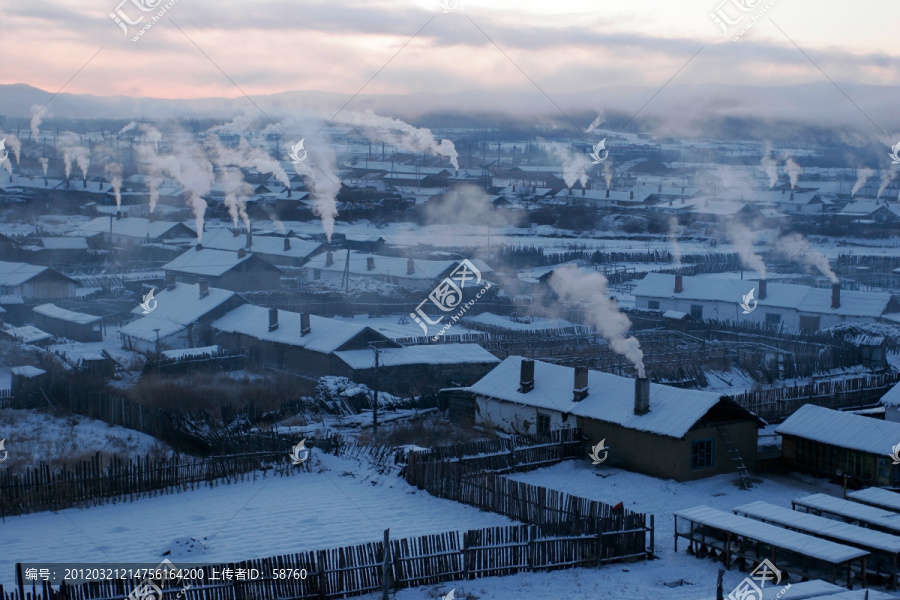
column 782, row 538
column 673, row 411
column 841, row 429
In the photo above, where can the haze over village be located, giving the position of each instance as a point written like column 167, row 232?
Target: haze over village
column 449, row 299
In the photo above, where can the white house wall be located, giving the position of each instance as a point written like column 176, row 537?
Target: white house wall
column 516, row 418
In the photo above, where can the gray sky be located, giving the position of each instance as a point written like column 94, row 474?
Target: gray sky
column 271, row 46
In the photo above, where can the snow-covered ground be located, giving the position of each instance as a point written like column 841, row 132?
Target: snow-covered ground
column 338, row 503
column 33, row 437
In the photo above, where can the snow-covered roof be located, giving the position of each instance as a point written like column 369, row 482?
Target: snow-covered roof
column 224, row 239
column 877, row 497
column 851, row 510
column 778, row 295
column 391, row 266
column 135, row 227
column 437, row 354
column 27, row 334
column 13, row 274
column 77, row 353
column 892, row 397
column 673, row 411
column 821, row 526
column 841, row 429
column 779, row 537
column 55, row 312
column 862, row 594
column 804, row 590
column 860, row 208
column 64, row 243
column 325, row 335
column 175, row 309
column 387, row 166
column 211, row 263
column 27, row 371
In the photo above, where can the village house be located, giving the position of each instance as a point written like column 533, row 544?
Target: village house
column 834, row 443
column 34, row 283
column 239, row 271
column 649, row 428
column 793, row 307
column 129, row 232
column 870, row 211
column 415, row 274
column 181, row 317
column 275, row 250
column 64, row 323
column 56, row 250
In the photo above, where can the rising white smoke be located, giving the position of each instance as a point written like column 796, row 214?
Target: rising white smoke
column 607, row 173
column 795, row 247
column 37, row 117
column 400, row 134
column 8, row 166
column 862, row 176
column 770, row 166
column 325, row 185
column 236, row 193
column 589, row 289
column 113, row 171
column 73, row 151
column 468, row 204
column 601, row 118
column 249, row 157
column 742, row 239
column 674, row 231
column 574, row 165
column 793, row 170
column 45, row 162
column 887, row 176
column 14, row 144
column 128, row 127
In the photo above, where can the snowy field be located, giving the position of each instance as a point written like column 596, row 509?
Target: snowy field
column 338, row 503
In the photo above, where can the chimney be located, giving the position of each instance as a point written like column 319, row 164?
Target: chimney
column 762, row 289
column 118, row 215
column 170, row 280
column 99, row 183
column 249, row 239
column 659, row 189
column 792, row 195
column 329, row 258
column 582, row 191
column 110, row 228
column 641, row 396
column 199, row 247
column 273, row 319
column 706, row 203
column 151, row 217
column 679, row 284
column 370, row 263
column 203, row 282
column 235, row 232
column 835, row 295
column 607, row 193
column 410, row 267
column 287, row 244
column 526, row 376
column 242, row 252
column 84, row 183
column 631, row 195
column 304, row 324
column 289, row 193
column 580, row 390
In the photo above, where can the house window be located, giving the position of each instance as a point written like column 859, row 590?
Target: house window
column 317, row 274
column 702, row 454
column 543, row 423
column 809, row 323
column 773, row 319
column 653, row 304
column 697, row 311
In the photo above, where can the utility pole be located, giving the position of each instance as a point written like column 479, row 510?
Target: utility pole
column 375, row 406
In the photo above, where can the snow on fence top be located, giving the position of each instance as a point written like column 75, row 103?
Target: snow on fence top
column 820, row 526
column 852, row 511
column 877, row 497
column 841, row 429
column 793, row 541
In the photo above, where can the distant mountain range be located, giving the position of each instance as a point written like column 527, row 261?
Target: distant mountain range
column 744, row 111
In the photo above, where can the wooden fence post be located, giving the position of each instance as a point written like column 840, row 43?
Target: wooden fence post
column 386, row 565
column 652, row 552
column 20, row 581
column 323, row 580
